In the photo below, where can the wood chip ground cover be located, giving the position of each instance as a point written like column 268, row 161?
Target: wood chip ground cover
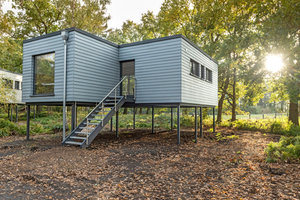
column 140, row 165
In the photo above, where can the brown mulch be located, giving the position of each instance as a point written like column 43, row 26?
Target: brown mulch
column 140, row 165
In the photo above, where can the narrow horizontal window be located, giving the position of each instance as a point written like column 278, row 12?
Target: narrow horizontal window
column 194, row 68
column 208, row 75
column 44, row 66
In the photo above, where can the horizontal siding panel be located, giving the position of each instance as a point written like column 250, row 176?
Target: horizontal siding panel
column 157, row 70
column 51, row 44
column 195, row 90
column 97, row 69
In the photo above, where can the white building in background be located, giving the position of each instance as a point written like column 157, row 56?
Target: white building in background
column 15, row 81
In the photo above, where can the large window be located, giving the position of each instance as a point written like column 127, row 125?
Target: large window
column 208, row 75
column 194, row 68
column 44, row 74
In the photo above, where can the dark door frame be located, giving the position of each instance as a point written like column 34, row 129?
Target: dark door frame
column 123, row 61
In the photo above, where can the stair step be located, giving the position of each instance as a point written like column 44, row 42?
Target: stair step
column 91, row 123
column 109, row 104
column 99, row 110
column 94, row 119
column 72, row 142
column 112, row 97
column 84, row 133
column 76, row 137
column 104, row 115
column 100, row 114
column 112, row 100
column 86, row 128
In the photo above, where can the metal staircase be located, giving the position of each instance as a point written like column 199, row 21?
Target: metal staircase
column 95, row 121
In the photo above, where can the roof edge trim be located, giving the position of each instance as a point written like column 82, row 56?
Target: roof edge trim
column 120, row 46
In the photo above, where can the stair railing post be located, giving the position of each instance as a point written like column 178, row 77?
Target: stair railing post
column 102, row 112
column 116, row 99
column 87, row 131
column 126, row 93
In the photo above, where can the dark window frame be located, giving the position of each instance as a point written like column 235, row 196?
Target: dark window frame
column 17, row 85
column 194, row 68
column 121, row 73
column 208, row 73
column 202, row 72
column 34, row 75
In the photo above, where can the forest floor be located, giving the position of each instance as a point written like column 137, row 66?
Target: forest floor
column 140, row 165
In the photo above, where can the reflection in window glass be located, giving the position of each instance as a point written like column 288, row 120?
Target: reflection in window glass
column 44, row 74
column 194, row 68
column 8, row 83
column 208, row 75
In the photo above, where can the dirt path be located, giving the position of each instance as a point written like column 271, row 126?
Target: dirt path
column 141, row 165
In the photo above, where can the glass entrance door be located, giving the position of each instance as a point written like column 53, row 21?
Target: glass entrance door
column 128, row 69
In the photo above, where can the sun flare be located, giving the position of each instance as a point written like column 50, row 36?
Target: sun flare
column 274, row 63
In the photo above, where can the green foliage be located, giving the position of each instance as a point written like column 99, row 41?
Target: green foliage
column 162, row 120
column 219, row 136
column 288, row 148
column 9, row 128
column 11, row 54
column 278, row 126
column 233, row 137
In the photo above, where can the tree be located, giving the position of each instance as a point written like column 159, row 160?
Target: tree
column 10, row 50
column 127, row 34
column 11, row 54
column 280, row 21
column 38, row 17
column 88, row 15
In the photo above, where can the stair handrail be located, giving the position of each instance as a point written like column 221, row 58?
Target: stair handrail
column 115, row 88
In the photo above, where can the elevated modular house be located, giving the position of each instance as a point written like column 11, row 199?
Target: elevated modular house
column 13, row 80
column 85, row 70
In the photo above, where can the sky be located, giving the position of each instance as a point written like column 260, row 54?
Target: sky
column 121, row 10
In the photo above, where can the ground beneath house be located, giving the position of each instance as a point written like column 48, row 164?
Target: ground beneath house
column 141, row 165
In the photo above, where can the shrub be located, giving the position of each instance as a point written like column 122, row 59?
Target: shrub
column 10, row 128
column 288, row 148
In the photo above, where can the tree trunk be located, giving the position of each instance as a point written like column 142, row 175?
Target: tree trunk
column 125, row 111
column 141, row 111
column 220, row 104
column 233, row 114
column 39, row 109
column 148, row 110
column 66, row 125
column 294, row 114
column 220, row 108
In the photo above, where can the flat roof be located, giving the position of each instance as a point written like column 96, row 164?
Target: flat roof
column 10, row 71
column 116, row 45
